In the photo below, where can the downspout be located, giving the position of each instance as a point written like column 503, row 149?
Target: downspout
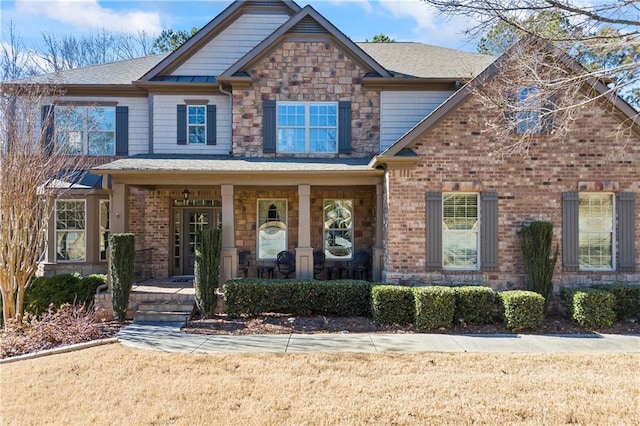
column 226, row 92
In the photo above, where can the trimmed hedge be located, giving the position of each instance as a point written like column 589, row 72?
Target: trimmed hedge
column 627, row 299
column 304, row 297
column 474, row 304
column 434, row 307
column 521, row 309
column 393, row 304
column 591, row 308
column 61, row 289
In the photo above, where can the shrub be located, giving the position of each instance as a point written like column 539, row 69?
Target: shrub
column 474, row 304
column 392, row 304
column 522, row 309
column 121, row 267
column 305, row 297
column 67, row 325
column 207, row 270
column 434, row 307
column 589, row 307
column 627, row 299
column 60, row 289
column 539, row 261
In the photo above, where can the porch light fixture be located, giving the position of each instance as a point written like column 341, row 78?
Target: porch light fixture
column 186, row 193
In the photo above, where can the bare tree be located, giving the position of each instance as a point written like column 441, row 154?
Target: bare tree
column 32, row 173
column 130, row 46
column 539, row 73
column 14, row 61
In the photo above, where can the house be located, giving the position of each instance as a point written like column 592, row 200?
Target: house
column 272, row 125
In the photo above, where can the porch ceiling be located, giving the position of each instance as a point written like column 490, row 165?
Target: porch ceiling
column 163, row 170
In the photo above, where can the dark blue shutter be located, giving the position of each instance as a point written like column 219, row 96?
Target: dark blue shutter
column 489, row 231
column 626, row 207
column 211, row 124
column 47, row 127
column 269, row 127
column 570, row 231
column 182, row 124
column 433, row 225
column 122, row 130
column 344, row 127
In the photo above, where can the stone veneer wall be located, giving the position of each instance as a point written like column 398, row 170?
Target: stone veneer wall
column 306, row 71
column 454, row 153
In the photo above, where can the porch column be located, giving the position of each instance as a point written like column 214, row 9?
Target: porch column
column 50, row 256
column 304, row 251
column 119, row 220
column 378, row 248
column 229, row 261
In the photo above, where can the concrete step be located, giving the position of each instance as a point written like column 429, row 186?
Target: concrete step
column 172, row 306
column 160, row 316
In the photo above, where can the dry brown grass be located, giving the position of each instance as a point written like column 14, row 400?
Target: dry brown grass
column 118, row 385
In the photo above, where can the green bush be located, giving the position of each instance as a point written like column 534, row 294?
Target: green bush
column 207, row 270
column 304, row 297
column 627, row 299
column 474, row 304
column 121, row 268
column 60, row 289
column 434, row 307
column 589, row 307
column 538, row 257
column 392, row 304
column 522, row 309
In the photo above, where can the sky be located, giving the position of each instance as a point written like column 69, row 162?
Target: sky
column 402, row 20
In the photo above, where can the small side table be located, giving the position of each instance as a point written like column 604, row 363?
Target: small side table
column 266, row 268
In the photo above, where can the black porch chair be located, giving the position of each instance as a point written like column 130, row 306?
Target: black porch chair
column 318, row 263
column 357, row 268
column 243, row 262
column 286, row 263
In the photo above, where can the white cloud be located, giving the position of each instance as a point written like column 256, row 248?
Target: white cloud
column 89, row 14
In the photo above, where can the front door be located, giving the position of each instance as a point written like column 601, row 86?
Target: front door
column 193, row 220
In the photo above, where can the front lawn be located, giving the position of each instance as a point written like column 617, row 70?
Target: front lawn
column 114, row 384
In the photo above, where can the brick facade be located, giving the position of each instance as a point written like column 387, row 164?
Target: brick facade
column 297, row 71
column 454, row 154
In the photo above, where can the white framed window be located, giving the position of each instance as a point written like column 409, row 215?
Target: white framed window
column 528, row 111
column 197, row 124
column 71, row 230
column 596, row 231
column 460, row 231
column 338, row 229
column 307, row 127
column 272, row 228
column 85, row 130
column 105, row 229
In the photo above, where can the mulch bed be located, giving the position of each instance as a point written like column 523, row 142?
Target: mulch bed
column 285, row 324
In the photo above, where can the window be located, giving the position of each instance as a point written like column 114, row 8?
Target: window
column 460, row 220
column 70, row 230
column 338, row 229
column 307, row 127
column 89, row 130
column 196, row 124
column 104, row 229
column 528, row 110
column 272, row 228
column 596, row 238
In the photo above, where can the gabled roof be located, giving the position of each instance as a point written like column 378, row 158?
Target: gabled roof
column 486, row 76
column 409, row 59
column 214, row 27
column 311, row 23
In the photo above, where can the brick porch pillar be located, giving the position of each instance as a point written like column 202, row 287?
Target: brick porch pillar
column 378, row 248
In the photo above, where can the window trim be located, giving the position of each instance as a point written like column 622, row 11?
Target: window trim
column 307, row 126
column 258, row 225
column 614, row 222
column 326, row 230
column 58, row 112
column 84, row 231
column 203, row 125
column 478, row 265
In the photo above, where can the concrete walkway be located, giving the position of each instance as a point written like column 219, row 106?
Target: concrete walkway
column 167, row 337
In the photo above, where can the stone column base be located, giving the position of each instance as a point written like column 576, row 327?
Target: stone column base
column 304, row 263
column 228, row 264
